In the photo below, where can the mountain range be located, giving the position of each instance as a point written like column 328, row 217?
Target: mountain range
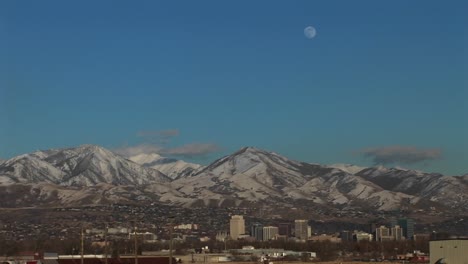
column 91, row 174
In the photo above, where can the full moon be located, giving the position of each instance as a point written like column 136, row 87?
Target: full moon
column 310, row 32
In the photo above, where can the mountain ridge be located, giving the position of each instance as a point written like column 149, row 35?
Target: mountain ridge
column 249, row 175
column 84, row 165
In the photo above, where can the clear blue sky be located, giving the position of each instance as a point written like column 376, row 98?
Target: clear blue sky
column 379, row 75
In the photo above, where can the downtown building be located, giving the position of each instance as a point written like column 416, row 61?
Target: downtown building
column 270, row 233
column 256, row 231
column 382, row 233
column 236, row 226
column 407, row 224
column 301, row 229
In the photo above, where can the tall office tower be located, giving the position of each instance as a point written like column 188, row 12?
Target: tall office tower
column 407, row 224
column 397, row 232
column 382, row 233
column 256, row 231
column 236, row 226
column 300, row 229
column 284, row 229
column 269, row 232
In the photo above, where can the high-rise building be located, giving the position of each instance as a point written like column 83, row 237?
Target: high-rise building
column 256, row 231
column 269, row 232
column 284, row 229
column 407, row 224
column 236, row 226
column 397, row 232
column 300, row 229
column 382, row 233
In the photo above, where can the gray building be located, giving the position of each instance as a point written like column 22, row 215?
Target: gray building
column 256, row 231
column 407, row 224
column 300, row 229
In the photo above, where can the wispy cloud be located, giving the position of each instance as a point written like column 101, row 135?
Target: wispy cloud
column 129, row 151
column 400, row 154
column 156, row 141
column 192, row 150
column 158, row 136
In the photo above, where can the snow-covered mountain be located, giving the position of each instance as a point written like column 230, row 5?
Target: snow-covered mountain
column 173, row 168
column 435, row 187
column 86, row 165
column 29, row 168
column 260, row 176
column 91, row 174
column 349, row 168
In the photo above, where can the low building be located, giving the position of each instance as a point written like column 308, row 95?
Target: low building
column 360, row 236
column 421, row 237
column 325, row 237
column 453, row 251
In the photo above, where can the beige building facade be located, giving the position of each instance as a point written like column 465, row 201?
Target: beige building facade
column 300, row 229
column 453, row 251
column 236, row 226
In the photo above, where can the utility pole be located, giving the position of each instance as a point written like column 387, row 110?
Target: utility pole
column 171, row 222
column 170, row 244
column 136, row 243
column 105, row 241
column 82, row 245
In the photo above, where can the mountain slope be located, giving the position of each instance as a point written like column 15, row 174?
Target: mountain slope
column 349, row 168
column 256, row 175
column 86, row 165
column 248, row 176
column 448, row 190
column 29, row 169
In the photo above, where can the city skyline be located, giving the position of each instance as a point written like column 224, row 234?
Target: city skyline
column 365, row 84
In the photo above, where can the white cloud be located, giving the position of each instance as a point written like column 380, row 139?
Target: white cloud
column 139, row 149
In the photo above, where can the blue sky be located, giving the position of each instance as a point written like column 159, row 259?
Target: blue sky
column 381, row 82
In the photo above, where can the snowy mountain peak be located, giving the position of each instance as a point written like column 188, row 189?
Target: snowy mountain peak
column 248, row 149
column 85, row 165
column 249, row 174
column 87, row 148
column 253, row 151
column 173, row 168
